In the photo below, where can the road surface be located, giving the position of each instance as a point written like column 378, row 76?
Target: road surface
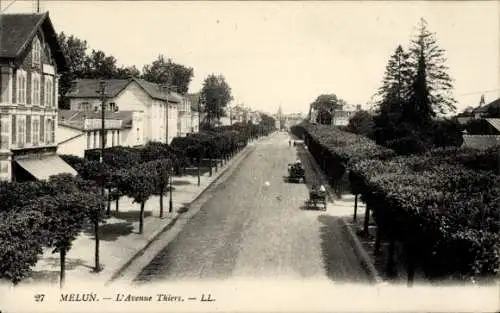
column 251, row 228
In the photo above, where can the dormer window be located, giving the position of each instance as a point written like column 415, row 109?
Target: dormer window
column 36, row 51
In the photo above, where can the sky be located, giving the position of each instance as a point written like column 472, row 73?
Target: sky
column 287, row 53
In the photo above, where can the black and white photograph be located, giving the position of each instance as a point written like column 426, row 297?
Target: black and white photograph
column 249, row 156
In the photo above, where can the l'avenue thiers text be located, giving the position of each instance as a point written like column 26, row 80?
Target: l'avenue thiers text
column 129, row 297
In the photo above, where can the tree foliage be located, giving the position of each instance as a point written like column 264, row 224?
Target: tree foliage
column 415, row 88
column 361, row 123
column 325, row 106
column 215, row 94
column 165, row 71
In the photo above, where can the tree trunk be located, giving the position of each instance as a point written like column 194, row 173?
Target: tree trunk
column 199, row 174
column 390, row 258
column 62, row 274
column 108, row 201
column 378, row 239
column 411, row 270
column 216, row 164
column 210, row 167
column 117, row 201
column 141, row 218
column 97, row 267
column 355, row 207
column 367, row 219
column 162, row 190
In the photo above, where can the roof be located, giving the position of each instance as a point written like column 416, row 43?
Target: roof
column 87, row 88
column 480, row 141
column 18, row 30
column 484, row 108
column 495, row 122
column 75, row 119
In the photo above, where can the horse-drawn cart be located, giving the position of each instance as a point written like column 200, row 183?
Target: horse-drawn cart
column 296, row 173
column 317, row 199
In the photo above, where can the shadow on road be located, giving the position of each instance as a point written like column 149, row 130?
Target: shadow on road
column 340, row 262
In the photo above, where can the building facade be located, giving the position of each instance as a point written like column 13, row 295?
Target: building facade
column 30, row 62
column 80, row 131
column 153, row 118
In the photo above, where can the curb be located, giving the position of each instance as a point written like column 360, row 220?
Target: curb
column 236, row 160
column 360, row 252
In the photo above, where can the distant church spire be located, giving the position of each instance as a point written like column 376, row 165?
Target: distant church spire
column 481, row 102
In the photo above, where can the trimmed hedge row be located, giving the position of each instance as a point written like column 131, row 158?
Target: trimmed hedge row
column 443, row 206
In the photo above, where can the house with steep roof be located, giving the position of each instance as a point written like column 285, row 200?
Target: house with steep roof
column 30, row 62
column 154, row 120
column 482, row 133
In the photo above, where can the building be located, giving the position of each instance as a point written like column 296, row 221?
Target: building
column 80, row 131
column 484, row 133
column 147, row 101
column 341, row 117
column 30, row 62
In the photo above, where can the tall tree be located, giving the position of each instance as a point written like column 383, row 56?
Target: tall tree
column 100, row 65
column 216, row 94
column 165, row 71
column 396, row 82
column 75, row 51
column 394, row 93
column 428, row 61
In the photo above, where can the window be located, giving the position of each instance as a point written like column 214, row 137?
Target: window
column 28, row 129
column 50, row 131
column 49, row 92
column 4, row 132
column 4, row 170
column 138, row 135
column 42, row 129
column 89, row 140
column 112, row 106
column 21, row 87
column 21, row 130
column 36, row 130
column 95, row 140
column 35, row 89
column 112, row 138
column 36, row 51
column 117, row 137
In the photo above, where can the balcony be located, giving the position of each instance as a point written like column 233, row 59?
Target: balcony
column 96, row 124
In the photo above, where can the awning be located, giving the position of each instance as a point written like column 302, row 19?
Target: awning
column 46, row 166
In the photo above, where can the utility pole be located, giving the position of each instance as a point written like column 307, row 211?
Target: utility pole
column 102, row 93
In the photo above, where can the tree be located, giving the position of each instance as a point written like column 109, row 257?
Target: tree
column 325, row 106
column 99, row 65
column 20, row 243
column 216, row 94
column 64, row 216
column 361, row 123
column 430, row 73
column 75, row 51
column 139, row 184
column 165, row 71
column 125, row 72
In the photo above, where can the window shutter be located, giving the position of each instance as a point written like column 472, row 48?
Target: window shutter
column 28, row 129
column 14, row 130
column 42, row 129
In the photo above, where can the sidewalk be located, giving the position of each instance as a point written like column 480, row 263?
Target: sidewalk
column 343, row 208
column 119, row 238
